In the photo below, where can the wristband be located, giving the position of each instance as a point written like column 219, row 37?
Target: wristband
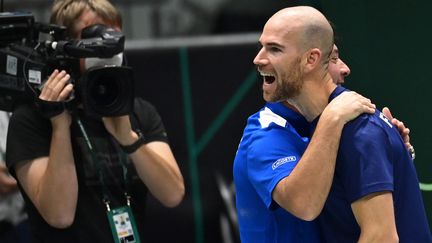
column 49, row 109
column 129, row 149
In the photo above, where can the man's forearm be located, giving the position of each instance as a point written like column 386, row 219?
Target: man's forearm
column 158, row 169
column 304, row 191
column 375, row 216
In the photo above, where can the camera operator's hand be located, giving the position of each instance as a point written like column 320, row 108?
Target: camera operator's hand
column 154, row 161
column 57, row 89
column 120, row 128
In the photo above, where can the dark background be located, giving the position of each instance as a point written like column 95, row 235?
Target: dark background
column 215, row 77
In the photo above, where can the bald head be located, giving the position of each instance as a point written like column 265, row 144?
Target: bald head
column 296, row 46
column 307, row 26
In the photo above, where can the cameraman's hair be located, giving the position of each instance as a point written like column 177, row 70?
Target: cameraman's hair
column 66, row 12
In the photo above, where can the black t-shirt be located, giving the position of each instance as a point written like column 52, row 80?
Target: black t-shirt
column 29, row 138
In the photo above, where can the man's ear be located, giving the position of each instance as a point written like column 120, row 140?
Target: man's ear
column 312, row 59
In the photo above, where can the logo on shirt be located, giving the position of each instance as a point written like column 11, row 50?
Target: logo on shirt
column 385, row 119
column 282, row 161
column 267, row 116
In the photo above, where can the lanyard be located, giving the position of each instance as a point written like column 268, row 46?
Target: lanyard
column 106, row 195
column 121, row 219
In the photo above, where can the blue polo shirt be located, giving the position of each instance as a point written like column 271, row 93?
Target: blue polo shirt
column 269, row 150
column 372, row 158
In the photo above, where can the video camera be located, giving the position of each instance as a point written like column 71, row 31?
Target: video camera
column 106, row 89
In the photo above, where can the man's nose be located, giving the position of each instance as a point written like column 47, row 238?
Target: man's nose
column 260, row 58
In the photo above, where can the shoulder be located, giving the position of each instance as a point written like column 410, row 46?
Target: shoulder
column 274, row 133
column 26, row 114
column 27, row 121
column 147, row 119
column 24, row 110
column 145, row 111
column 368, row 124
column 368, row 140
column 143, row 105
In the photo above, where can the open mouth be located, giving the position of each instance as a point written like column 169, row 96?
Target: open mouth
column 268, row 78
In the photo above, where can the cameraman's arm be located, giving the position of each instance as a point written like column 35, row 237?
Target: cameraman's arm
column 158, row 169
column 51, row 182
column 154, row 162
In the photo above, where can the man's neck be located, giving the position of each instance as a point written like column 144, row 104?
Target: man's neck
column 313, row 97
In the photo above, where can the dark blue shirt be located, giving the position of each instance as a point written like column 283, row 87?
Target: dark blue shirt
column 372, row 158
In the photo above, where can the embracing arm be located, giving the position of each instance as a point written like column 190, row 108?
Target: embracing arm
column 154, row 162
column 375, row 215
column 51, row 182
column 304, row 191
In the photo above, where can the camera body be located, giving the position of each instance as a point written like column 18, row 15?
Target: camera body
column 26, row 62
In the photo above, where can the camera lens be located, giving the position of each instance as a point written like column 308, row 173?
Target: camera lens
column 105, row 91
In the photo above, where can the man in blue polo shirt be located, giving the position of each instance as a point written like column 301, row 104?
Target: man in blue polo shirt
column 266, row 157
column 273, row 142
column 293, row 61
column 374, row 185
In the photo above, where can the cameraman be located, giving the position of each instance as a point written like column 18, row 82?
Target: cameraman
column 74, row 170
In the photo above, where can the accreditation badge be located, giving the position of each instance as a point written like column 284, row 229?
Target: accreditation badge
column 123, row 226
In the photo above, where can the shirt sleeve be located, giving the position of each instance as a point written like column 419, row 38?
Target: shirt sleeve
column 272, row 156
column 150, row 122
column 28, row 136
column 364, row 162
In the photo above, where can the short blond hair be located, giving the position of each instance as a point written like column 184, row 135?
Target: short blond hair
column 66, row 12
